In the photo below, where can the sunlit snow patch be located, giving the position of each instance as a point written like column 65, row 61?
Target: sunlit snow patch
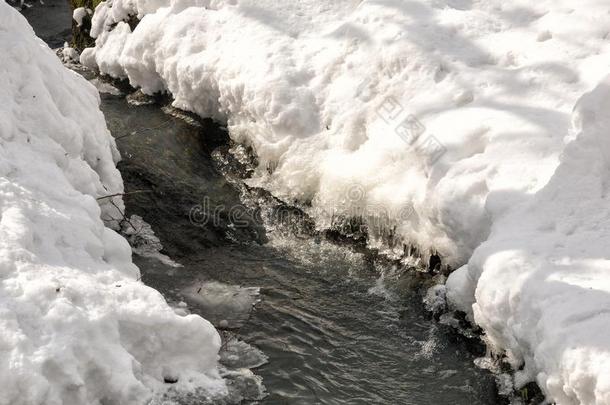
column 77, row 325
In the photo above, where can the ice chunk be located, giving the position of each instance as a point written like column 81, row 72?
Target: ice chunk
column 223, row 303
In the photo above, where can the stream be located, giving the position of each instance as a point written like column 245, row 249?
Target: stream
column 319, row 320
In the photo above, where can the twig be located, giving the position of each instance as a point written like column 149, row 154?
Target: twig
column 124, row 217
column 124, row 194
column 164, row 123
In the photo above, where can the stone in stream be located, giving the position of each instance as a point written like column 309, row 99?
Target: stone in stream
column 434, row 263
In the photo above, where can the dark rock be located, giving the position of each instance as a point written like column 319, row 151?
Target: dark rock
column 170, row 380
column 434, row 263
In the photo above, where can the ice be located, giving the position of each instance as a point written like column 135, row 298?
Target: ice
column 435, row 299
column 143, row 240
column 238, row 354
column 104, row 87
column 227, row 306
column 76, row 325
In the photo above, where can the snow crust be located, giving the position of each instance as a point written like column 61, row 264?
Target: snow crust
column 445, row 121
column 76, row 325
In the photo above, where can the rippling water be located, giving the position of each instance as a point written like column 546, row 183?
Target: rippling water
column 338, row 325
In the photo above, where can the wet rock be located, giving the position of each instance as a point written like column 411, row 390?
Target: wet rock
column 532, row 394
column 139, row 98
column 434, row 263
column 170, row 380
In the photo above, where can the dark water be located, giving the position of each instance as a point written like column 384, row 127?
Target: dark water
column 334, row 330
column 51, row 20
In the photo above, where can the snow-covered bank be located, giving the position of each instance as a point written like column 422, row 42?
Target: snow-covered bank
column 76, row 325
column 543, row 277
column 445, row 119
column 321, row 89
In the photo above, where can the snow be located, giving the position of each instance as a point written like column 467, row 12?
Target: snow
column 319, row 88
column 78, row 14
column 76, row 325
column 541, row 281
column 69, row 55
column 448, row 122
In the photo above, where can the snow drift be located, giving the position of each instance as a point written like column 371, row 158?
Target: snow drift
column 76, row 325
column 437, row 122
column 542, row 278
column 329, row 94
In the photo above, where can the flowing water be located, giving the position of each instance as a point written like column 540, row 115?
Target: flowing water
column 337, row 324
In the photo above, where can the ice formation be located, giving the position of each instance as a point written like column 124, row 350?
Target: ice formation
column 76, row 325
column 447, row 119
column 227, row 306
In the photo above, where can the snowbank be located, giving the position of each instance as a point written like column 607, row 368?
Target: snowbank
column 543, row 278
column 442, row 121
column 323, row 91
column 76, row 327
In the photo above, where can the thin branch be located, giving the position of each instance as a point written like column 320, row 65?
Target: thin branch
column 125, row 136
column 124, row 194
column 125, row 217
column 163, row 124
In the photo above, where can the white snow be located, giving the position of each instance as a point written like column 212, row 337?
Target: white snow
column 542, row 279
column 78, row 14
column 448, row 119
column 305, row 84
column 69, row 55
column 76, row 325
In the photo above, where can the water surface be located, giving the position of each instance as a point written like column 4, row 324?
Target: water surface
column 335, row 332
